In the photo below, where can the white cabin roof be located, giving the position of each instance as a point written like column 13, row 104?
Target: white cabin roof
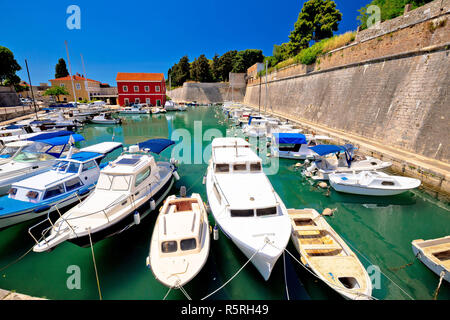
column 44, row 180
column 180, row 225
column 233, row 150
column 104, row 147
column 129, row 164
column 20, row 143
column 247, row 190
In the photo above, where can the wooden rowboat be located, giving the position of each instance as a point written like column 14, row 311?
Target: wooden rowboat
column 435, row 254
column 324, row 252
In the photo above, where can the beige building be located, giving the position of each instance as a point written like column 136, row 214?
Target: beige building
column 85, row 89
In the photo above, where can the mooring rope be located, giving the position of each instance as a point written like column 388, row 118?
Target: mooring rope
column 436, row 292
column 95, row 265
column 170, row 289
column 330, row 283
column 242, row 268
column 380, row 270
column 184, row 292
column 285, row 279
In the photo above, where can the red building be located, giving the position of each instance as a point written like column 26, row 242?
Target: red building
column 147, row 88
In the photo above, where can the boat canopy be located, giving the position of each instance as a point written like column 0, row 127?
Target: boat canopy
column 84, row 156
column 324, row 149
column 63, row 140
column 290, row 138
column 50, row 135
column 103, row 147
column 156, row 145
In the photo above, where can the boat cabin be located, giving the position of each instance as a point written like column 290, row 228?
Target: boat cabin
column 67, row 175
column 181, row 228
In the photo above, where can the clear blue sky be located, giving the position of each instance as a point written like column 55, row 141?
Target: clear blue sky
column 146, row 36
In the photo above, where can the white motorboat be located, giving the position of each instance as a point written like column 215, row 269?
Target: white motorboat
column 135, row 109
column 180, row 242
column 244, row 203
column 127, row 190
column 71, row 179
column 172, row 106
column 435, row 254
column 36, row 158
column 340, row 159
column 372, row 183
column 105, row 118
column 323, row 251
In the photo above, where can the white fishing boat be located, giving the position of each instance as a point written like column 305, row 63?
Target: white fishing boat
column 71, row 179
column 180, row 241
column 324, row 252
column 36, row 158
column 341, row 159
column 435, row 254
column 372, row 183
column 245, row 205
column 105, row 118
column 127, row 190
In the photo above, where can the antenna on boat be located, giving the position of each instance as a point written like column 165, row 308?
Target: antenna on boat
column 71, row 143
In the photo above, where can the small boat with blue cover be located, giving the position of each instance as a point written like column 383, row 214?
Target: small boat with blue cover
column 70, row 180
column 37, row 157
column 127, row 190
column 341, row 159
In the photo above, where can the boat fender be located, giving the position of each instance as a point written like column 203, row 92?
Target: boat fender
column 83, row 191
column 183, row 191
column 152, row 204
column 323, row 185
column 147, row 262
column 41, row 209
column 268, row 155
column 204, row 180
column 137, row 218
column 216, row 233
column 328, row 212
column 176, row 175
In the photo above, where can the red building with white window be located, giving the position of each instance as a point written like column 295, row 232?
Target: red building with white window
column 147, row 88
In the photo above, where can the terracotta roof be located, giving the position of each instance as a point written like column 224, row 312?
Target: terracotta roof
column 126, row 76
column 75, row 77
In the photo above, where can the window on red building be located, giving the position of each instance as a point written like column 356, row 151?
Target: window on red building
column 136, row 88
column 125, row 88
column 157, row 88
column 147, row 88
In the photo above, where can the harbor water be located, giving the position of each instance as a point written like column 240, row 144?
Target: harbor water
column 379, row 230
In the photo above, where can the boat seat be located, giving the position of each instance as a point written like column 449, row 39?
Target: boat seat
column 321, row 247
column 308, row 228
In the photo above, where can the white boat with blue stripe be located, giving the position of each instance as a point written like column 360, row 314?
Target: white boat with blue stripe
column 69, row 181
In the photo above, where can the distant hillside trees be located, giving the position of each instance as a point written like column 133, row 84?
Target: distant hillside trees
column 389, row 9
column 215, row 70
column 8, row 67
column 61, row 69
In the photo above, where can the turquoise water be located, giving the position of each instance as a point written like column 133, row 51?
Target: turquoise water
column 381, row 230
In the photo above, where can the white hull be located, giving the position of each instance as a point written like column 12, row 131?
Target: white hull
column 105, row 121
column 430, row 260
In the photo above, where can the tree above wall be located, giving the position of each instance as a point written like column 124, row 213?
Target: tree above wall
column 8, row 67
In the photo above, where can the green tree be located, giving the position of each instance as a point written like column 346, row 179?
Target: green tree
column 180, row 72
column 8, row 67
column 389, row 9
column 245, row 59
column 61, row 69
column 200, row 69
column 56, row 92
column 317, row 20
column 226, row 64
column 215, row 68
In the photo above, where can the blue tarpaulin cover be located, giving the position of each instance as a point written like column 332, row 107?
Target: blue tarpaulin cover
column 85, row 156
column 156, row 145
column 290, row 138
column 49, row 135
column 60, row 141
column 324, row 149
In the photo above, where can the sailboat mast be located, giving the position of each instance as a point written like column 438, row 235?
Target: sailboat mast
column 70, row 73
column 85, row 78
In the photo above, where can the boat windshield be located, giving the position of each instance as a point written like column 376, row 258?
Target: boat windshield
column 32, row 157
column 8, row 151
column 113, row 182
column 67, row 167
